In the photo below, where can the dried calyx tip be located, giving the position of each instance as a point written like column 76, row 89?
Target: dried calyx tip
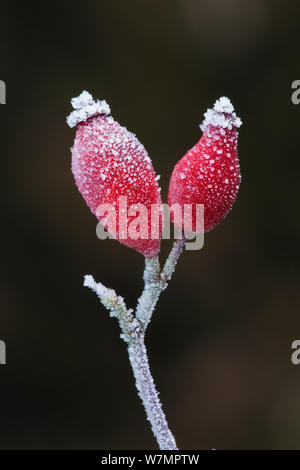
column 222, row 115
column 84, row 107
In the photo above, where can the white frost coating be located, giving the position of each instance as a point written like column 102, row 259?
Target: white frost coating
column 84, row 107
column 222, row 115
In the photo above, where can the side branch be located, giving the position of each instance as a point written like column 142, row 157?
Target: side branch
column 172, row 259
column 116, row 306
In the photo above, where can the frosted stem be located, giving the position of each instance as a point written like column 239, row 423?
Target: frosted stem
column 148, row 394
column 133, row 331
column 152, row 290
column 172, row 259
column 156, row 282
column 116, row 307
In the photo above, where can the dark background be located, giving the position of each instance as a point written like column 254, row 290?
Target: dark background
column 220, row 340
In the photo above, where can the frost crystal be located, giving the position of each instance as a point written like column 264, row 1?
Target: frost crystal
column 223, row 105
column 222, row 115
column 85, row 106
column 82, row 100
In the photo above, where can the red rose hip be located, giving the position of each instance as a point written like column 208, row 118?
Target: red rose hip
column 110, row 166
column 209, row 173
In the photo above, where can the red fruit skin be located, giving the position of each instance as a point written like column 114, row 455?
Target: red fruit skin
column 108, row 162
column 208, row 174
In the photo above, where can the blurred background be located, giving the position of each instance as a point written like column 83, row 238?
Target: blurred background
column 220, row 339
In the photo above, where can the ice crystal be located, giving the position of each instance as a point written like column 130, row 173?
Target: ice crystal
column 222, row 115
column 85, row 107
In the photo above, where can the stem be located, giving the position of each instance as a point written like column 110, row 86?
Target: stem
column 156, row 282
column 172, row 259
column 133, row 333
column 146, row 389
column 152, row 290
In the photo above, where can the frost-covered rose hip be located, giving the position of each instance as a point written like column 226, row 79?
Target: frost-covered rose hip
column 209, row 173
column 112, row 168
